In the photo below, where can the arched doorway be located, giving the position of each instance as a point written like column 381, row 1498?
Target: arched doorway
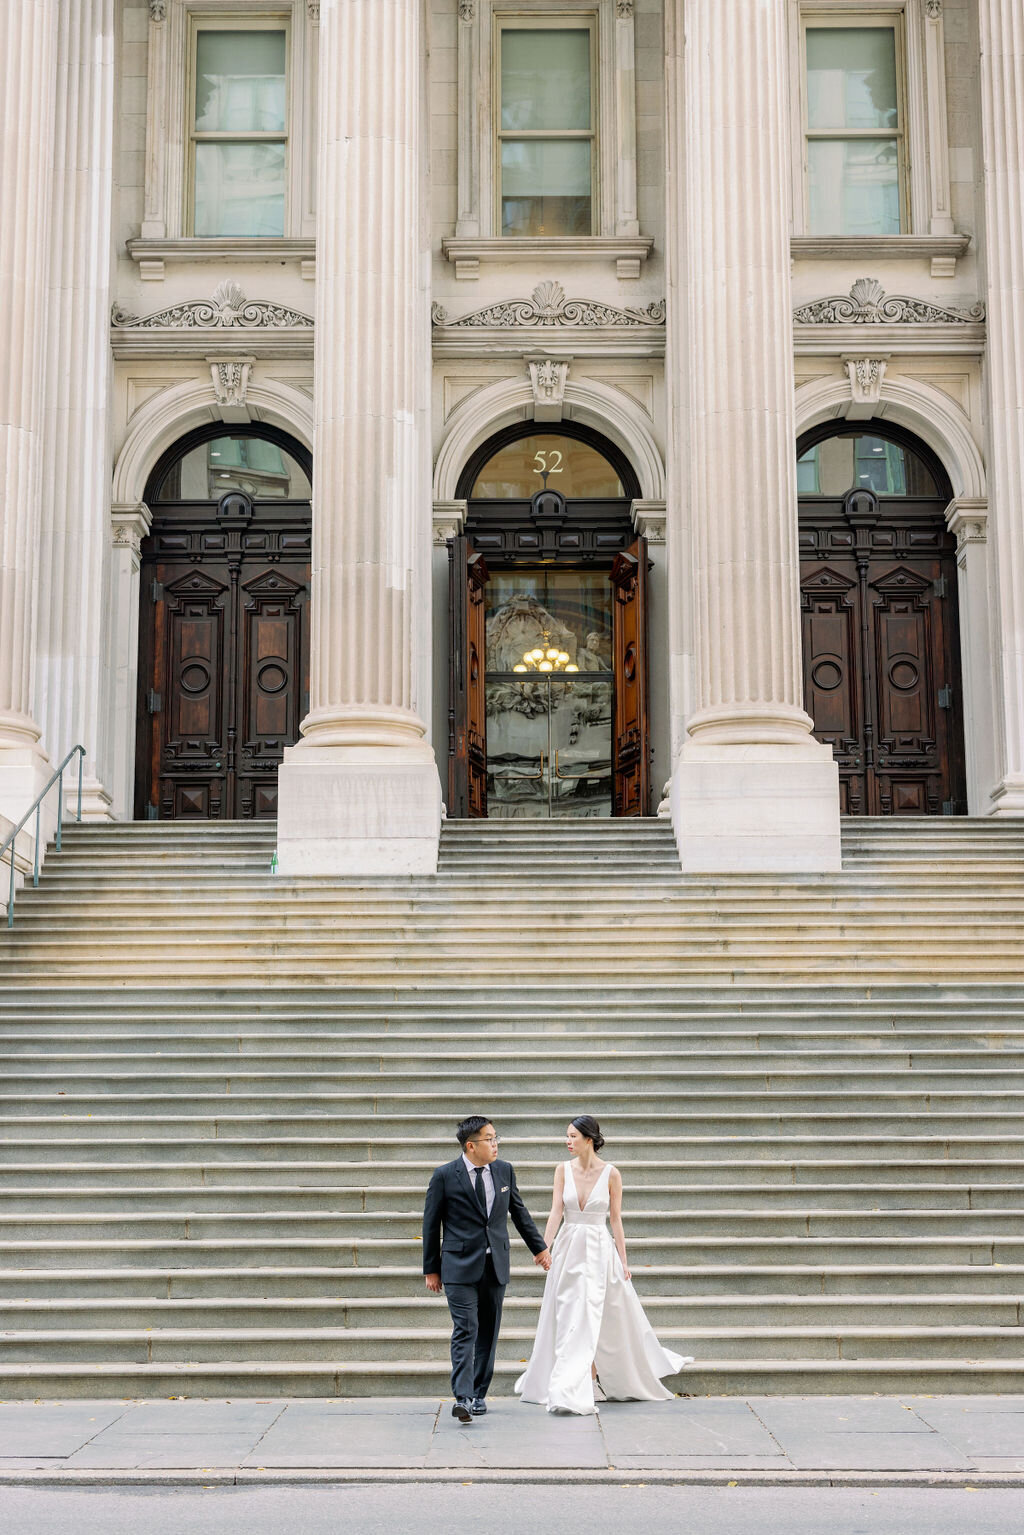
column 548, row 704
column 223, row 633
column 881, row 651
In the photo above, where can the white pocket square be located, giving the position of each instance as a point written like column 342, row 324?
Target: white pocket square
column 504, row 1188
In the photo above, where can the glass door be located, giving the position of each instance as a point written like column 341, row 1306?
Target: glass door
column 549, row 694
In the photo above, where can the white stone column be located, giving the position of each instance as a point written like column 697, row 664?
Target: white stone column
column 27, row 79
column 361, row 793
column 1002, row 122
column 752, row 789
column 75, row 533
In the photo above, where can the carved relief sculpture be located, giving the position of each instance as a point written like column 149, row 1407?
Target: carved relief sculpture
column 868, row 304
column 548, row 306
column 227, row 309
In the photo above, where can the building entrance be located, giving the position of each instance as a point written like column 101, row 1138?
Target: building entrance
column 223, row 638
column 548, row 703
column 881, row 650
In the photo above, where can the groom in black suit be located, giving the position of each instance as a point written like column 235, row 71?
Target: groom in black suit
column 472, row 1199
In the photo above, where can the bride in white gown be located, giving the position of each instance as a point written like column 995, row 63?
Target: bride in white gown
column 592, row 1326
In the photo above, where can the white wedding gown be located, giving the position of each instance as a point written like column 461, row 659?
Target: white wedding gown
column 590, row 1313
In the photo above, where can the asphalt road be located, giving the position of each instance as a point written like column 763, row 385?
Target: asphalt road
column 509, row 1510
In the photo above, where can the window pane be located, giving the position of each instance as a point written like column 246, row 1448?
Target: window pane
column 239, row 189
column 576, row 469
column 240, row 82
column 545, row 79
column 839, row 464
column 571, row 608
column 853, row 187
column 545, row 187
column 251, row 464
column 851, row 77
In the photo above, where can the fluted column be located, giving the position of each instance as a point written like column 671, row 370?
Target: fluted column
column 27, row 40
column 753, row 788
column 75, row 531
column 361, row 791
column 1002, row 119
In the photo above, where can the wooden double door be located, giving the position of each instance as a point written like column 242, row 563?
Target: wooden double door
column 224, row 649
column 881, row 651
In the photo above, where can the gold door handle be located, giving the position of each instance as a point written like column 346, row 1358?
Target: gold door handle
column 591, row 772
column 520, row 777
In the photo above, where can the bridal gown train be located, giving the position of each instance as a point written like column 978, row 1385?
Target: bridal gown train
column 591, row 1313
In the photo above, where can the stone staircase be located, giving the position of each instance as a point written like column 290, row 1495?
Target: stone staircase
column 222, row 1093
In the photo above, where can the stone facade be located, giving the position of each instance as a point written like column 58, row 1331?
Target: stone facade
column 701, row 328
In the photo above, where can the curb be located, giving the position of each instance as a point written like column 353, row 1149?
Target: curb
column 466, row 1476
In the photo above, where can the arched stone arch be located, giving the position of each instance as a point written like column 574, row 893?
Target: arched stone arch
column 508, row 401
column 922, row 409
column 159, row 423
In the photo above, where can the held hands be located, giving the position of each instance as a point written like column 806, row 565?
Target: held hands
column 433, row 1283
column 543, row 1259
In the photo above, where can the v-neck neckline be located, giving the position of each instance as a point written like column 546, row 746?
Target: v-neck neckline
column 576, row 1193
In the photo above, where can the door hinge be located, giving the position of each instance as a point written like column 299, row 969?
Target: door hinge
column 940, row 587
column 949, row 807
column 156, row 590
column 154, row 702
column 946, row 697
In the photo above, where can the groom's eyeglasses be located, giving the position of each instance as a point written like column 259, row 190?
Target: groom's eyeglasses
column 491, row 1140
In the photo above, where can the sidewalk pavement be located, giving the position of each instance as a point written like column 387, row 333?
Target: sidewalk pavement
column 913, row 1440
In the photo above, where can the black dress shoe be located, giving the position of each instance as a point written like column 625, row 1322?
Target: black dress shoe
column 462, row 1409
column 479, row 1407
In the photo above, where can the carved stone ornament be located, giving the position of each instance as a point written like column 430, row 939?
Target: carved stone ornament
column 933, row 9
column 866, row 375
column 467, row 10
column 313, row 9
column 868, row 304
column 624, row 9
column 158, row 10
column 548, row 306
column 229, row 309
column 129, row 527
column 547, row 380
column 230, row 379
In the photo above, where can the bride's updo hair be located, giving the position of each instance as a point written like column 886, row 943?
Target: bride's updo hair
column 587, row 1125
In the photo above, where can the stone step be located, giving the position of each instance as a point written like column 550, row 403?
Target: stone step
column 918, row 1182
column 677, row 1202
column 379, row 1345
column 267, row 1147
column 653, row 1230
column 987, row 1246
column 291, row 1378
column 398, row 1312
column 711, row 1281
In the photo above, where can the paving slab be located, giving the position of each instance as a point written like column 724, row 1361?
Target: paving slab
column 161, row 1452
column 689, row 1428
column 809, row 1451
column 836, row 1414
column 344, row 1439
column 976, row 1433
column 201, row 1417
column 50, row 1429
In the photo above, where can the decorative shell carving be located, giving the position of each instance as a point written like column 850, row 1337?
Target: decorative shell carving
column 868, row 304
column 227, row 309
column 548, row 306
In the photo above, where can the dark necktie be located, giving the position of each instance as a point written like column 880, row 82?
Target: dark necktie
column 481, row 1196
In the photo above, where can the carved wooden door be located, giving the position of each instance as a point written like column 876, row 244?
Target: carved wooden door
column 223, row 658
column 631, row 770
column 881, row 655
column 467, row 698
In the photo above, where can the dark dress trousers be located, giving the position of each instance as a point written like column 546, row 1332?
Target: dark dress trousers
column 456, row 1236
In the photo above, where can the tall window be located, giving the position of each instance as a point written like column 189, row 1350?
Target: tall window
column 239, row 140
column 854, row 126
column 546, row 140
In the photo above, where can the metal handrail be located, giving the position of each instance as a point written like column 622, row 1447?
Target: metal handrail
column 36, row 808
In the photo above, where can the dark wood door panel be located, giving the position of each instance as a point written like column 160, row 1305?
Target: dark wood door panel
column 224, row 678
column 631, row 768
column 881, row 652
column 467, row 704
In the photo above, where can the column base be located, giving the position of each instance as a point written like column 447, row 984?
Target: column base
column 349, row 810
column 756, row 809
column 1008, row 798
column 23, row 774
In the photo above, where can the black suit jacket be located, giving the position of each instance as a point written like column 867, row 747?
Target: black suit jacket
column 459, row 1254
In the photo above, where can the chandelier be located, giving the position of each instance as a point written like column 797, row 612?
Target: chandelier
column 546, row 658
